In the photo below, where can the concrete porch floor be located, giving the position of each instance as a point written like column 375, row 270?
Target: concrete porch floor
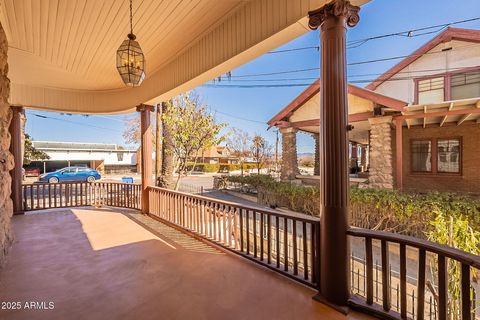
column 111, row 263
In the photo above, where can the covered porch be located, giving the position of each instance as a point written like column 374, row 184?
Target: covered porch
column 110, row 261
column 123, row 264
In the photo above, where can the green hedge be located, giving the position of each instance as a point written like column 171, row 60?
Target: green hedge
column 388, row 210
column 220, row 167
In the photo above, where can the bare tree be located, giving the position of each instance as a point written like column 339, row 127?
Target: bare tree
column 261, row 151
column 239, row 142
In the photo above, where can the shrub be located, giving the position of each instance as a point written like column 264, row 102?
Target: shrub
column 377, row 209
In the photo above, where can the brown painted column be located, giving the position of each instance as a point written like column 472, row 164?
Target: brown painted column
column 363, row 158
column 333, row 19
column 316, row 163
column 289, row 154
column 16, row 150
column 354, row 157
column 146, row 152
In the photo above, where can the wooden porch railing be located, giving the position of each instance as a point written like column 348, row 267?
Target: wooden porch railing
column 40, row 196
column 427, row 258
column 281, row 242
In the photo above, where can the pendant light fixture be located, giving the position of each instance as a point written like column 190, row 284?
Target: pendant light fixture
column 130, row 58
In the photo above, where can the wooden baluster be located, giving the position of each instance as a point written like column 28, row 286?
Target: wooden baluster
column 247, row 223
column 285, row 244
column 241, row 229
column 305, row 250
column 262, row 226
column 442, row 288
column 254, row 222
column 24, row 200
column 403, row 281
column 205, row 222
column 369, row 269
column 76, row 194
column 421, row 284
column 224, row 214
column 277, row 239
column 38, row 196
column 294, row 245
column 32, row 204
column 269, row 238
column 385, row 276
column 465, row 292
column 235, row 231
column 49, row 195
column 315, row 227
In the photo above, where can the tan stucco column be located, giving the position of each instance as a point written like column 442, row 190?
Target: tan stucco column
column 333, row 19
column 316, row 157
column 289, row 154
column 381, row 160
column 16, row 150
column 146, row 152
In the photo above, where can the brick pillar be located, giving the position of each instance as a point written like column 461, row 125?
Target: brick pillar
column 333, row 244
column 289, row 154
column 146, row 152
column 381, row 161
column 316, row 166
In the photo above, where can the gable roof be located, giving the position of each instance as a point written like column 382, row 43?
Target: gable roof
column 314, row 88
column 449, row 34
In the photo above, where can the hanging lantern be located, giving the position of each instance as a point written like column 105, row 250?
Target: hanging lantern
column 130, row 59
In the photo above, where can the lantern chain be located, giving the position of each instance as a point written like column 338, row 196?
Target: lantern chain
column 131, row 17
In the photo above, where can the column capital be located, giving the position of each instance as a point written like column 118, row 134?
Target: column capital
column 336, row 8
column 288, row 130
column 145, row 107
column 18, row 109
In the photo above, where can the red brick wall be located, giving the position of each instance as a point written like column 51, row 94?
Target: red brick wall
column 468, row 181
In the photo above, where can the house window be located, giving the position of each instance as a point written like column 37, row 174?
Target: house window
column 465, row 85
column 421, row 156
column 431, row 90
column 448, row 155
column 120, row 156
column 437, row 156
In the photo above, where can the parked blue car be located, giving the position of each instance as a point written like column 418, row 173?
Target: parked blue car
column 71, row 174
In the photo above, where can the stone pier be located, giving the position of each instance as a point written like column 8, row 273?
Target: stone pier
column 381, row 159
column 289, row 154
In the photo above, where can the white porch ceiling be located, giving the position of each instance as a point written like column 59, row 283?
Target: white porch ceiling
column 62, row 52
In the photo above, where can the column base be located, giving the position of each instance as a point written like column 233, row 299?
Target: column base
column 342, row 309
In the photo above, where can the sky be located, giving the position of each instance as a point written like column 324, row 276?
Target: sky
column 250, row 108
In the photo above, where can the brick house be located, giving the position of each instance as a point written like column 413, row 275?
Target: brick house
column 415, row 127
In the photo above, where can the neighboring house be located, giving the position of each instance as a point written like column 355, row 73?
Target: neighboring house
column 216, row 154
column 107, row 158
column 416, row 127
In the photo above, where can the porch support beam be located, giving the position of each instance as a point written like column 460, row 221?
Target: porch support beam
column 146, row 152
column 16, row 150
column 333, row 19
column 399, row 154
column 438, row 114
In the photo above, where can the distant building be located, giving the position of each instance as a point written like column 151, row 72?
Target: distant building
column 105, row 157
column 216, row 154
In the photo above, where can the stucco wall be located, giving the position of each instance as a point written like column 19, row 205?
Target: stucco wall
column 468, row 182
column 6, row 159
column 463, row 54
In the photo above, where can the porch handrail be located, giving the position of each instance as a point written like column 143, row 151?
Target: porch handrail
column 38, row 196
column 283, row 242
column 440, row 261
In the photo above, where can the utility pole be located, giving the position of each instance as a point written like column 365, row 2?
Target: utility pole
column 158, row 145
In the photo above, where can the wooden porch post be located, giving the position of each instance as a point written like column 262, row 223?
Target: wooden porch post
column 399, row 154
column 334, row 254
column 146, row 152
column 16, row 150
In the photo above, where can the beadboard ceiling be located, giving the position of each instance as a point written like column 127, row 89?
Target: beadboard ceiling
column 78, row 38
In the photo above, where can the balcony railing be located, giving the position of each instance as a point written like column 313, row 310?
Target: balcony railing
column 416, row 253
column 284, row 243
column 40, row 196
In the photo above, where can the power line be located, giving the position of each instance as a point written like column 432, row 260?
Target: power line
column 348, row 64
column 238, row 118
column 73, row 122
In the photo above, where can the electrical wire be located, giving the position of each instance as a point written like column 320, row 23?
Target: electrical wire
column 73, row 122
